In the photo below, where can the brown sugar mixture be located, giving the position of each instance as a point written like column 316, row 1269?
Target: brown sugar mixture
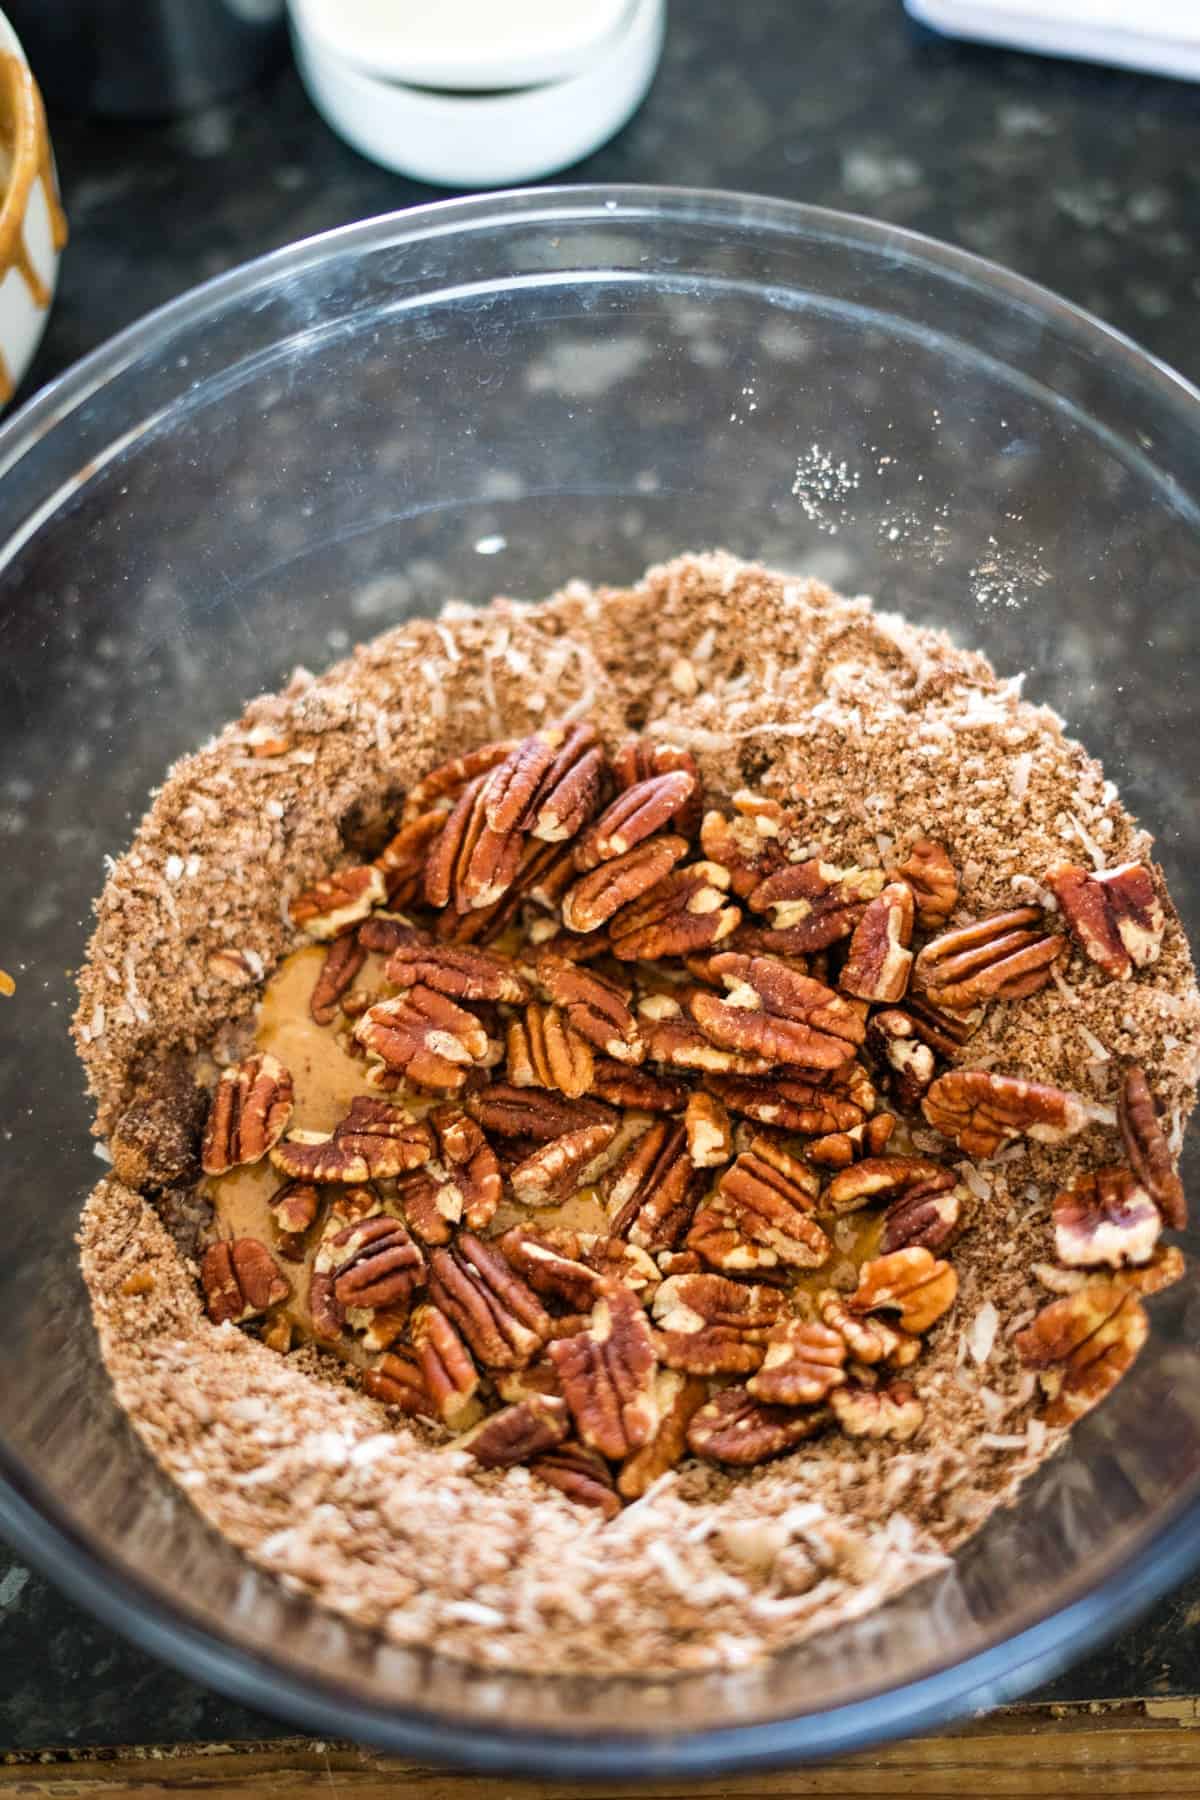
column 636, row 1122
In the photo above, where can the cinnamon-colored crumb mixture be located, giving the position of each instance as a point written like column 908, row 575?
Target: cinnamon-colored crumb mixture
column 725, row 1136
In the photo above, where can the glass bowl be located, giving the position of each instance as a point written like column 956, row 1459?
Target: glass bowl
column 495, row 395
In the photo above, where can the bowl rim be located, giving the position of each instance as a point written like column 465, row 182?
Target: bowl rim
column 32, row 1518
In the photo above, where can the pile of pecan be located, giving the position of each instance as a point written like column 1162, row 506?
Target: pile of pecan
column 594, row 980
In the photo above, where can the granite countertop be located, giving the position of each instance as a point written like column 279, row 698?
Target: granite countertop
column 1084, row 179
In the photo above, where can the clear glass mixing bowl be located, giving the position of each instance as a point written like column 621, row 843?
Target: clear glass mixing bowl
column 497, row 394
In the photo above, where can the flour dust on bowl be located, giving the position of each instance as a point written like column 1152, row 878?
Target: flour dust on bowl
column 504, row 395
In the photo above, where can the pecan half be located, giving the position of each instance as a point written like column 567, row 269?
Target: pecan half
column 677, row 1042
column 883, row 1412
column 759, row 1215
column 1147, row 1148
column 581, row 1475
column 748, row 846
column 459, row 970
column 343, row 960
column 981, row 1110
column 869, row 1341
column 733, row 1427
column 708, row 1325
column 811, row 1106
column 595, row 1007
column 556, row 1169
column 597, row 896
column 895, row 1045
column 1106, row 1217
column 801, row 1365
column 545, row 1050
column 471, row 1164
column 384, row 932
column 338, row 902
column 879, row 962
column 638, row 1089
column 550, row 1262
column 470, row 864
column 815, row 902
column 772, row 1012
column 1082, row 1345
column 538, row 1113
column 241, row 1279
column 1114, row 915
column 376, row 1141
column 638, row 812
column 447, row 781
column 677, row 1398
column 448, row 1372
column 929, row 1213
column 249, row 1114
column 497, row 1313
column 518, row 1433
column 651, row 1191
column 396, row 1380
column 549, row 786
column 912, row 1282
column 880, row 1177
column 607, row 1374
column 423, row 1036
column 709, row 1131
column 294, row 1207
column 371, row 1263
column 687, row 911
column 933, row 879
column 402, row 859
column 1004, row 957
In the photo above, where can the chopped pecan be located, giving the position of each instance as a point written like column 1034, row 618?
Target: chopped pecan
column 929, row 1213
column 651, row 1191
column 339, row 902
column 376, row 1141
column 607, row 1373
column 981, row 1110
column 599, row 895
column 677, row 1398
column 241, row 1279
column 471, row 1164
column 1164, row 1269
column 772, row 1012
column 459, row 970
column 1003, row 957
column 384, row 932
column 735, row 1428
column 708, row 1325
column 912, row 1282
column 685, row 912
column 945, row 1032
column 249, row 1114
column 869, row 1341
column 1114, row 915
column 933, row 879
column 556, row 1169
column 882, row 1177
column 470, row 864
column 709, row 1131
column 447, row 781
column 497, row 1313
column 396, row 1380
column 838, row 1149
column 759, row 1215
column 294, row 1207
column 896, row 1046
column 518, row 1433
column 810, row 1106
column 343, row 960
column 423, row 1036
column 549, row 785
column 1147, row 1148
column 637, row 1089
column 595, row 1007
column 815, row 902
column 879, row 962
column 1106, row 1217
column 581, row 1475
column 638, row 812
column 402, row 859
column 448, row 1372
column 801, row 1365
column 881, row 1412
column 536, row 1113
column 1082, row 1345
column 545, row 1050
column 540, row 1377
column 748, row 846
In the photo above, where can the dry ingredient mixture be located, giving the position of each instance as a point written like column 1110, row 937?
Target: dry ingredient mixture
column 636, row 1121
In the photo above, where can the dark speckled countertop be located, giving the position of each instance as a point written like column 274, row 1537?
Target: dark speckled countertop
column 1085, row 179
